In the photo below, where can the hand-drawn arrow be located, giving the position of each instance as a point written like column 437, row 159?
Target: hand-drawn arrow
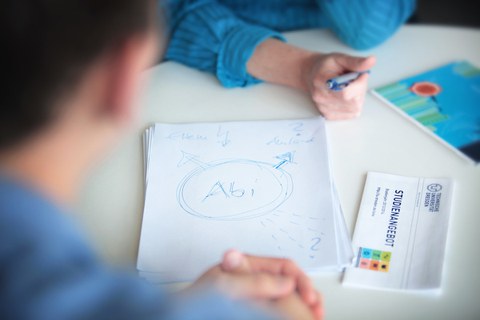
column 284, row 158
column 188, row 157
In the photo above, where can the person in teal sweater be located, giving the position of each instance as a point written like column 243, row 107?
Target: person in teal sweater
column 239, row 41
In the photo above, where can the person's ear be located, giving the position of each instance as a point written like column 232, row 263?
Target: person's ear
column 125, row 66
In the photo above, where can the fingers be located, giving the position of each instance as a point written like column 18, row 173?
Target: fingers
column 356, row 88
column 245, row 285
column 292, row 307
column 341, row 105
column 235, row 261
column 344, row 104
column 263, row 264
column 275, row 266
column 304, row 285
column 271, row 279
column 351, row 63
column 317, row 309
column 255, row 285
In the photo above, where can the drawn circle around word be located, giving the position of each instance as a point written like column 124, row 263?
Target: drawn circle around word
column 426, row 89
column 234, row 189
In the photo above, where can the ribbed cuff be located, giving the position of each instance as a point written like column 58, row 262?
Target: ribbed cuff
column 235, row 51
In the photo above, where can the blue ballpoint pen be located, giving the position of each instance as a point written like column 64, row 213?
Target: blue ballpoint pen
column 340, row 82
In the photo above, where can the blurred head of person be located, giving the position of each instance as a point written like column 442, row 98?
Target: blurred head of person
column 71, row 70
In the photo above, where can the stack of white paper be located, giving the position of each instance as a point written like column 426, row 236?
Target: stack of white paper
column 262, row 187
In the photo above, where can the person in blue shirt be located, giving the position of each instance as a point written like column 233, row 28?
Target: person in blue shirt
column 239, row 42
column 70, row 71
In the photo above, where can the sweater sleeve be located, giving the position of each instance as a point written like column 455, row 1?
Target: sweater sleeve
column 208, row 36
column 364, row 24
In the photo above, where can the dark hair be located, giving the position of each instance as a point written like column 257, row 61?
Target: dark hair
column 48, row 45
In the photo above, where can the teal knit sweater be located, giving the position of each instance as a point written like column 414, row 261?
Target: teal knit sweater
column 220, row 36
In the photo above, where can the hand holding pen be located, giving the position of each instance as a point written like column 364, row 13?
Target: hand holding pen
column 337, row 84
column 277, row 62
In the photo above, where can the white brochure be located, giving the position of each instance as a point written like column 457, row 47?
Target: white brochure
column 401, row 232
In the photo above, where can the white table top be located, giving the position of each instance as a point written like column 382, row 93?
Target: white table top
column 110, row 207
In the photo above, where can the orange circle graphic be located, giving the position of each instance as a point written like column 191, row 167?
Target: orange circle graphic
column 425, row 89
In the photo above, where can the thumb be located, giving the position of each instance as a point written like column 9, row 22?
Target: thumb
column 356, row 63
column 235, row 261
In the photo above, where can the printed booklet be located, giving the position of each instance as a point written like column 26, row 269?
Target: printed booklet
column 445, row 102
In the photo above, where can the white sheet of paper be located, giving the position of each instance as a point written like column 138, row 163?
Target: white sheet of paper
column 401, row 233
column 263, row 187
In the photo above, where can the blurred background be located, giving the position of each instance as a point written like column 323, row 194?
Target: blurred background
column 448, row 12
